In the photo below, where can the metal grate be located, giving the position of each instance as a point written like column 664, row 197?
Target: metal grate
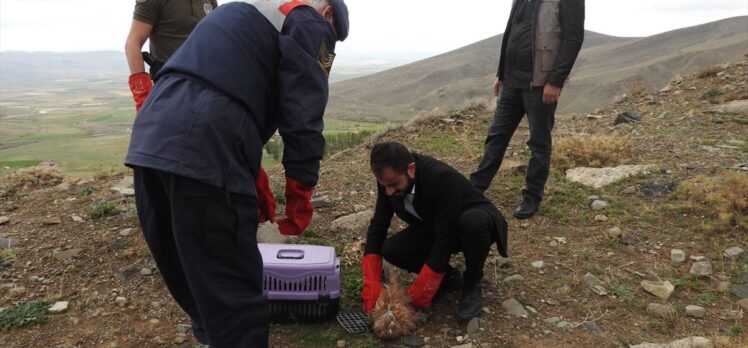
column 354, row 322
column 312, row 284
column 302, row 311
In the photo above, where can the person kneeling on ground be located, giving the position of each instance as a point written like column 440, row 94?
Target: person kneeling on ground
column 445, row 215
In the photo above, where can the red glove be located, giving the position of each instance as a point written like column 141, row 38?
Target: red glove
column 265, row 200
column 299, row 208
column 424, row 288
column 140, row 86
column 371, row 266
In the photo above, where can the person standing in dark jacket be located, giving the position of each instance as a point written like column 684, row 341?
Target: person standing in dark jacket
column 248, row 69
column 445, row 216
column 539, row 47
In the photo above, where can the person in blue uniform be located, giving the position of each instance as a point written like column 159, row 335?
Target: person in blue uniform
column 247, row 70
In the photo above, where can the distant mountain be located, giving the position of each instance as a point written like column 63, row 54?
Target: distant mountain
column 605, row 66
column 41, row 67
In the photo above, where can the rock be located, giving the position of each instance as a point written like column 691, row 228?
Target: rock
column 340, row 344
column 128, row 271
column 614, row 232
column 743, row 304
column 413, row 341
column 473, row 326
column 4, row 220
column 321, row 202
column 736, row 106
column 269, row 233
column 128, row 192
column 627, row 117
column 601, row 218
column 76, row 218
column 695, row 311
column 600, row 177
column 666, row 88
column 121, row 301
column 690, row 342
column 552, row 320
column 183, row 329
column 51, row 220
column 145, row 271
column 6, row 243
column 592, row 326
column 677, row 255
column 598, row 205
column 741, row 291
column 513, row 166
column 592, row 281
column 565, row 325
column 723, row 286
column 524, row 225
column 66, row 254
column 126, row 182
column 466, row 345
column 701, row 268
column 515, row 308
column 625, row 240
column 125, row 232
column 63, row 187
column 356, row 223
column 180, row 339
column 730, row 314
column 662, row 311
column 538, row 264
column 58, row 307
column 662, row 289
column 696, row 257
column 514, row 278
column 734, row 252
column 119, row 245
column 655, row 190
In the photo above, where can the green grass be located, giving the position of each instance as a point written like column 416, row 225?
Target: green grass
column 8, row 253
column 711, row 93
column 736, row 330
column 101, row 210
column 23, row 314
column 706, row 299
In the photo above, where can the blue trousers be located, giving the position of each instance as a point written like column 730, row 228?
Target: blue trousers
column 204, row 242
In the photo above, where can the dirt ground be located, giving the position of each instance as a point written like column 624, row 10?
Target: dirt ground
column 101, row 266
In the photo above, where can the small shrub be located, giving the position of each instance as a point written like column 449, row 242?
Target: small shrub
column 103, row 210
column 591, row 151
column 8, row 253
column 711, row 93
column 23, row 314
column 723, row 198
column 636, row 88
column 708, row 72
column 736, row 330
column 44, row 175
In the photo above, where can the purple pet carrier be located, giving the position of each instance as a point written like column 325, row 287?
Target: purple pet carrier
column 301, row 282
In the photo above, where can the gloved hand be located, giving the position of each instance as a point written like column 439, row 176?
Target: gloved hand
column 140, row 86
column 371, row 267
column 265, row 200
column 425, row 286
column 299, row 208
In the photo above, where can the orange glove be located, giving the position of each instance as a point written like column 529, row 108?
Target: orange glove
column 299, row 208
column 371, row 267
column 265, row 200
column 140, row 86
column 425, row 286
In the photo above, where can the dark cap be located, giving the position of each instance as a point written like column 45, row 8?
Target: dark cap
column 341, row 18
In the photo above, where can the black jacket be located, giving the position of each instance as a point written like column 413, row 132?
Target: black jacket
column 571, row 26
column 442, row 195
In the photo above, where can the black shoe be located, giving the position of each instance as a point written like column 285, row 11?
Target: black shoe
column 527, row 209
column 471, row 302
column 452, row 282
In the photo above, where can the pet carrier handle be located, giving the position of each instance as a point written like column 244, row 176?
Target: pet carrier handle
column 294, row 254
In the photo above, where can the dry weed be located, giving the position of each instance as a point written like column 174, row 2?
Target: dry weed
column 591, row 151
column 44, row 175
column 724, row 198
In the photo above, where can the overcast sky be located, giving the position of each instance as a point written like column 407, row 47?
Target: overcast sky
column 378, row 28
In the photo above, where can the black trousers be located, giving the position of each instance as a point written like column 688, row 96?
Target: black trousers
column 513, row 104
column 410, row 248
column 204, row 242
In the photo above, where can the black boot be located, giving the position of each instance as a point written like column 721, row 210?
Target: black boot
column 527, row 209
column 471, row 301
column 452, row 282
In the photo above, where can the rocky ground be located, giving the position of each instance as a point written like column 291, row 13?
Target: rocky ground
column 617, row 257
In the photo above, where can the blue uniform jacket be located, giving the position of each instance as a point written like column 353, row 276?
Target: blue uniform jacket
column 228, row 88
